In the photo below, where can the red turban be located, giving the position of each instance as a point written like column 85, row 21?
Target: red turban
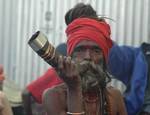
column 89, row 29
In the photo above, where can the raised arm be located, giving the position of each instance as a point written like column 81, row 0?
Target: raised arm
column 67, row 70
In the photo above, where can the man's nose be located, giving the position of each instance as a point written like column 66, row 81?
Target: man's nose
column 87, row 55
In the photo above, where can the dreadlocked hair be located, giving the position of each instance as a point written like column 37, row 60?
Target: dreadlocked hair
column 81, row 10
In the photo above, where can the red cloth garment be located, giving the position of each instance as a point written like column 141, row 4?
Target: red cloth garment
column 37, row 87
column 89, row 29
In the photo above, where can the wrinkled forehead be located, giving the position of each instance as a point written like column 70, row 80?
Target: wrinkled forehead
column 87, row 43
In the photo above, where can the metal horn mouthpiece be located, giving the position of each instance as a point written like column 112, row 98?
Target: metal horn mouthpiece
column 40, row 44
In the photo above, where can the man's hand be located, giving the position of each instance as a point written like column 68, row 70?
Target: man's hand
column 68, row 72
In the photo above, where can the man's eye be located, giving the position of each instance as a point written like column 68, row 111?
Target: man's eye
column 79, row 49
column 76, row 50
column 97, row 50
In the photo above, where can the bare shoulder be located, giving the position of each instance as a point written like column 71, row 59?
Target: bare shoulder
column 116, row 98
column 114, row 92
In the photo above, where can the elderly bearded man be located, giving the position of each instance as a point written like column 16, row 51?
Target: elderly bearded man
column 84, row 73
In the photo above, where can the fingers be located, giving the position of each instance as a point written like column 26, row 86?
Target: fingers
column 65, row 62
column 60, row 62
column 66, row 65
column 68, row 71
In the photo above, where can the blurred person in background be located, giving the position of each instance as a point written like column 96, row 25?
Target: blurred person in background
column 32, row 94
column 5, row 108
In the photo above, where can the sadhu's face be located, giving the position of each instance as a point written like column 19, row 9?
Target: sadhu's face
column 89, row 51
column 85, row 53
